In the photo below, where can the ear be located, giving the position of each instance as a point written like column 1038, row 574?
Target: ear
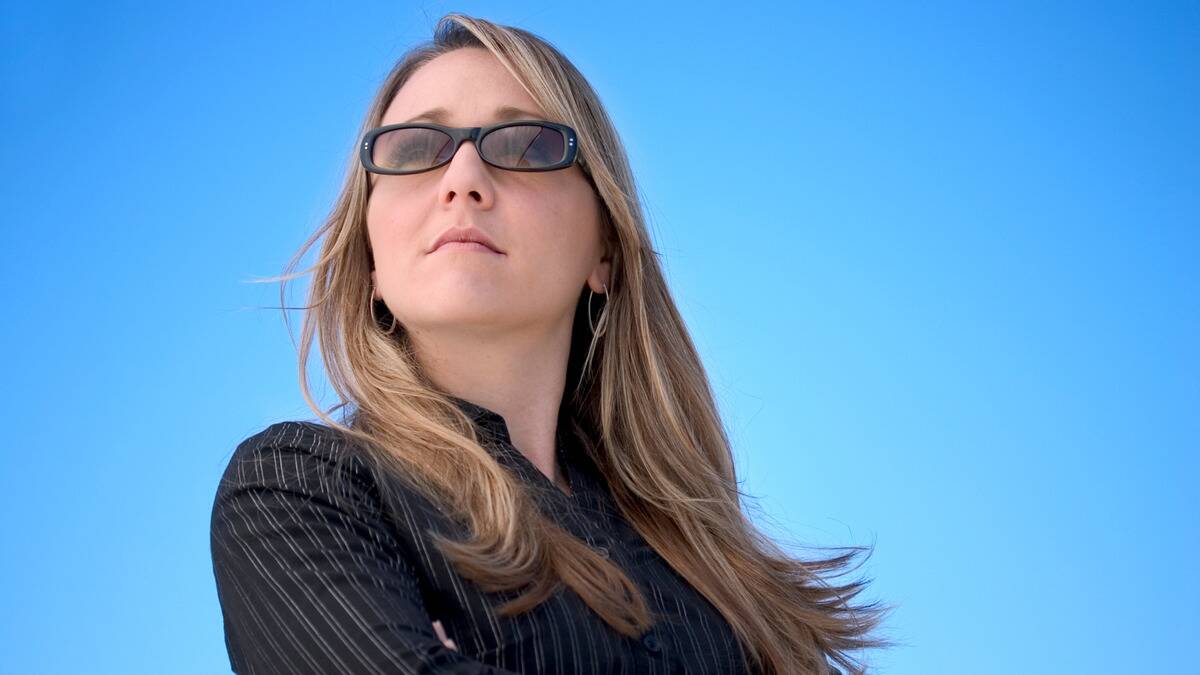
column 601, row 277
column 375, row 288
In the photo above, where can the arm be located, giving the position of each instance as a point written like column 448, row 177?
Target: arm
column 308, row 574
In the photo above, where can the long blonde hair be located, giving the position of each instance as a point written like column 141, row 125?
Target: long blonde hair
column 640, row 398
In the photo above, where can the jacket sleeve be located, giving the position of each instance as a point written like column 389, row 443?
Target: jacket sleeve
column 309, row 575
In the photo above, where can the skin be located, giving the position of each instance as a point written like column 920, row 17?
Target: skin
column 492, row 329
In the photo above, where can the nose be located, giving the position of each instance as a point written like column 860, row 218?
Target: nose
column 467, row 177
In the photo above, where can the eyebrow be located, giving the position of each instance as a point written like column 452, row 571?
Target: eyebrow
column 504, row 112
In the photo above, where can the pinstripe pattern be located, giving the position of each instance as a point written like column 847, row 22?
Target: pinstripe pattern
column 314, row 575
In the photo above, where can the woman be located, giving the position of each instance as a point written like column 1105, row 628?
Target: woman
column 530, row 474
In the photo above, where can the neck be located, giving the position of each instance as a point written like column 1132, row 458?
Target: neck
column 520, row 376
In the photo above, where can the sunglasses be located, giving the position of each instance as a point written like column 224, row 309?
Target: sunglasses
column 523, row 145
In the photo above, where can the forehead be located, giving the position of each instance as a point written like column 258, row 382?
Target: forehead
column 470, row 84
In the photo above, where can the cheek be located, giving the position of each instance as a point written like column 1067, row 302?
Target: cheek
column 565, row 233
column 579, row 220
column 390, row 226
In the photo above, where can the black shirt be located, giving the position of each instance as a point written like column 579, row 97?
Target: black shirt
column 316, row 576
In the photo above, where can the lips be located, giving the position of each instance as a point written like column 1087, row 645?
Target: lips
column 466, row 246
column 465, row 234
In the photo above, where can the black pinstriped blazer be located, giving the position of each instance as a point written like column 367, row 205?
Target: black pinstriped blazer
column 317, row 576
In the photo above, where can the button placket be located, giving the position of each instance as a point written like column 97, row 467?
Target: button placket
column 652, row 644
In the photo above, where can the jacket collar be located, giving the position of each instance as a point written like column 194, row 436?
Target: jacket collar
column 485, row 418
column 496, row 427
column 587, row 486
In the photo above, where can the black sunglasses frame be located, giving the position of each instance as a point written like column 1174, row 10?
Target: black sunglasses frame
column 460, row 134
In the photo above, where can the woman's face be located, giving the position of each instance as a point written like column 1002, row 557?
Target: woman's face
column 546, row 223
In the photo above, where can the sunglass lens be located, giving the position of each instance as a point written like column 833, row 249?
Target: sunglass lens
column 411, row 149
column 524, row 146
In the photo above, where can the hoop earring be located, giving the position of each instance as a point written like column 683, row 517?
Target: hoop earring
column 603, row 312
column 371, row 308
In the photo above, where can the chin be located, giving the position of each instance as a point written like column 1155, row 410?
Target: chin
column 459, row 308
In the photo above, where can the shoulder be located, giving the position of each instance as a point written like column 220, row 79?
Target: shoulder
column 294, row 435
column 300, row 480
column 296, row 456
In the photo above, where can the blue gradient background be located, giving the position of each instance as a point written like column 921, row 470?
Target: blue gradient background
column 941, row 262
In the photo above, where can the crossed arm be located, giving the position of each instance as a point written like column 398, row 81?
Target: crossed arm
column 308, row 585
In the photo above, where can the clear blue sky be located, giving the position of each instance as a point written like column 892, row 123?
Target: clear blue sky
column 941, row 262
